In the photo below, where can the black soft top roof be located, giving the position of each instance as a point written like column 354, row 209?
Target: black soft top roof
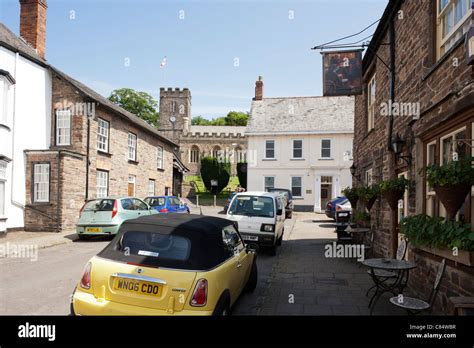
column 204, row 233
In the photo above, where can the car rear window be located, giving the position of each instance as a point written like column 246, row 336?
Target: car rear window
column 157, row 245
column 167, row 247
column 100, row 205
column 252, row 206
column 155, row 201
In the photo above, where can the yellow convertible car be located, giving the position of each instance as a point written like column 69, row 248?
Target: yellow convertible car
column 168, row 265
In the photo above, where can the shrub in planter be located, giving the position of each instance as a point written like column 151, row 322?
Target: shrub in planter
column 368, row 195
column 351, row 193
column 214, row 169
column 451, row 182
column 392, row 190
column 438, row 233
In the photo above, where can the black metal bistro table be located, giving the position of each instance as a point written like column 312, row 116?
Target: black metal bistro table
column 358, row 232
column 394, row 284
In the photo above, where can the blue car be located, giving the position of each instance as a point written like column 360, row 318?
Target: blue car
column 331, row 206
column 167, row 204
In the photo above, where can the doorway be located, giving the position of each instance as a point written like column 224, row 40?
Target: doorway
column 131, row 185
column 326, row 190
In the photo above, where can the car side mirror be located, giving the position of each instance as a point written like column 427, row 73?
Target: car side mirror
column 279, row 211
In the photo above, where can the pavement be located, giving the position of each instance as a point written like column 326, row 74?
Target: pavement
column 299, row 280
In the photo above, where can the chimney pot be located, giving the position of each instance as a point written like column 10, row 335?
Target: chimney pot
column 33, row 24
column 259, row 89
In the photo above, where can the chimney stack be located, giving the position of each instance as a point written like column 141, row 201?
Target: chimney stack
column 33, row 24
column 259, row 89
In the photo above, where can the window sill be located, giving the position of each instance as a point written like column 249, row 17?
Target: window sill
column 325, row 159
column 160, row 169
column 132, row 162
column 103, row 153
column 269, row 159
column 35, row 204
column 298, row 198
column 3, row 218
column 297, row 159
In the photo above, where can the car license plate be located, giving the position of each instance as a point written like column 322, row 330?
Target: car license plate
column 137, row 286
column 343, row 214
column 250, row 238
column 93, row 229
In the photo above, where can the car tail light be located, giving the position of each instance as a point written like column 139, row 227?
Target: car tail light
column 338, row 208
column 115, row 210
column 164, row 210
column 199, row 297
column 329, row 205
column 86, row 277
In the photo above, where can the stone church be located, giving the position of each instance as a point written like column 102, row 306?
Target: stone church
column 198, row 141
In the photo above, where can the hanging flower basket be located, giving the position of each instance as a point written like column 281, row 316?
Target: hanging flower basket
column 370, row 203
column 452, row 197
column 392, row 197
column 352, row 195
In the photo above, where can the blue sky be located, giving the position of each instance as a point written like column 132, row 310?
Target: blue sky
column 202, row 49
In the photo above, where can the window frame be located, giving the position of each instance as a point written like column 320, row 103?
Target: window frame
column 194, row 154
column 33, row 183
column 129, row 146
column 267, row 141
column 4, row 94
column 330, row 149
column 265, row 182
column 57, row 128
column 369, row 177
column 301, row 187
column 296, row 149
column 3, row 183
column 151, row 181
column 441, row 39
column 98, row 187
column 99, row 135
column 371, row 101
column 160, row 163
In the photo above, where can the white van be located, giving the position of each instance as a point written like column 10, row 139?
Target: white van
column 260, row 217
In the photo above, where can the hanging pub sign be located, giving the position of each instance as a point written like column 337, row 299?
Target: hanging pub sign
column 342, row 73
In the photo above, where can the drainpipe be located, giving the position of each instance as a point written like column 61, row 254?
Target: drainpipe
column 390, row 131
column 87, row 158
column 58, row 211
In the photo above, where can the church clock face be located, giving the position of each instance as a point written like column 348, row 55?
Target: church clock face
column 173, row 119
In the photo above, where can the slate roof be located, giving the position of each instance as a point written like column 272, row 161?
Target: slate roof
column 236, row 130
column 16, row 44
column 301, row 115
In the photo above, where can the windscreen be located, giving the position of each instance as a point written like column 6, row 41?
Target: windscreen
column 153, row 202
column 100, row 205
column 252, row 206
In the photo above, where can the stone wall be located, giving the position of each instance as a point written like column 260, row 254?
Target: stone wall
column 444, row 90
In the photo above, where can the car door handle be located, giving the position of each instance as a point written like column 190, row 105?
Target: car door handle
column 239, row 264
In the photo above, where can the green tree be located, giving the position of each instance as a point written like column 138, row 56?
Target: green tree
column 220, row 121
column 199, row 121
column 139, row 103
column 242, row 174
column 213, row 169
column 235, row 118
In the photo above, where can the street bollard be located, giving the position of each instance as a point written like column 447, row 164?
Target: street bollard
column 197, row 200
column 214, row 200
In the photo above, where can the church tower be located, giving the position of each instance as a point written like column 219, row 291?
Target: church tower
column 175, row 112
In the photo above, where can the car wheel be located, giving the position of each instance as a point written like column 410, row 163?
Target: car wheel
column 222, row 307
column 253, row 278
column 83, row 237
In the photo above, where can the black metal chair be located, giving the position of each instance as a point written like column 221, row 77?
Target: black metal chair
column 342, row 222
column 414, row 305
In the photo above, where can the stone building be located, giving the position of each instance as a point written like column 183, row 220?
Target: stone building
column 433, row 84
column 198, row 141
column 97, row 149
